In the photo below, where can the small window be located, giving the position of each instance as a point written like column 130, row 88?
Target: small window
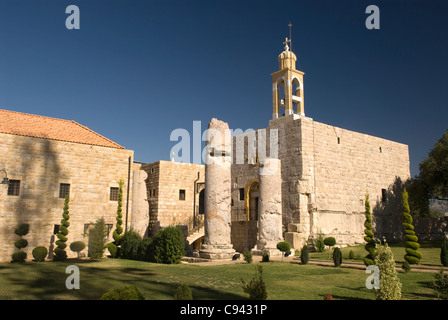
column 381, row 149
column 114, row 194
column 64, row 190
column 56, row 229
column 241, row 194
column 182, row 195
column 14, row 187
column 383, row 195
column 339, row 140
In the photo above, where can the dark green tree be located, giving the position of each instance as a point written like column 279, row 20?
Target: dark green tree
column 304, row 255
column 169, row 245
column 330, row 241
column 369, row 237
column 412, row 256
column 444, row 253
column 97, row 240
column 59, row 252
column 114, row 247
column 432, row 180
column 337, row 257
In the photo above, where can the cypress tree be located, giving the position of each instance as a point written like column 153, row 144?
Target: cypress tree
column 59, row 252
column 444, row 253
column 412, row 256
column 114, row 246
column 371, row 245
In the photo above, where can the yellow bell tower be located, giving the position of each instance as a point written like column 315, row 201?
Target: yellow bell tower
column 287, row 85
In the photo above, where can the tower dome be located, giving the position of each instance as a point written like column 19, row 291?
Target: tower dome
column 287, row 59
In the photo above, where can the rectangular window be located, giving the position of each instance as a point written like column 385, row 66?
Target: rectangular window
column 241, row 194
column 64, row 190
column 182, row 195
column 114, row 194
column 14, row 187
column 56, row 229
column 383, row 195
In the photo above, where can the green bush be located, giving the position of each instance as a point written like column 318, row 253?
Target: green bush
column 304, row 255
column 337, row 257
column 21, row 243
column 60, row 254
column 169, row 245
column 369, row 236
column 131, row 243
column 440, row 285
column 330, row 241
column 351, row 255
column 390, row 285
column 119, row 229
column 39, row 253
column 265, row 257
column 113, row 249
column 444, row 253
column 19, row 256
column 97, row 240
column 77, row 246
column 22, row 229
column 147, row 250
column 406, row 267
column 247, row 256
column 183, row 292
column 256, row 288
column 319, row 243
column 123, row 293
column 284, row 247
column 413, row 256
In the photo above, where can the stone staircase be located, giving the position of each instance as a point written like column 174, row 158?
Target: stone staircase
column 196, row 235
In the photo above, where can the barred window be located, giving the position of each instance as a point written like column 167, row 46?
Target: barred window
column 241, row 194
column 64, row 190
column 113, row 194
column 14, row 187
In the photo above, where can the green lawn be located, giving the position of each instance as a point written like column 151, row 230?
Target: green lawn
column 429, row 249
column 284, row 280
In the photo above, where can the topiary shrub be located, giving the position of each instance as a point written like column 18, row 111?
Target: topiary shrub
column 413, row 256
column 369, row 236
column 351, row 255
column 77, row 246
column 337, row 257
column 183, row 292
column 19, row 256
column 265, row 257
column 247, row 256
column 406, row 267
column 59, row 252
column 113, row 250
column 130, row 245
column 284, row 247
column 39, row 253
column 256, row 288
column 444, row 252
column 304, row 255
column 118, row 228
column 21, row 230
column 330, row 241
column 169, row 245
column 123, row 293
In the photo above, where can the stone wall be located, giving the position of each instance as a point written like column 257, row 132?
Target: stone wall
column 164, row 182
column 41, row 165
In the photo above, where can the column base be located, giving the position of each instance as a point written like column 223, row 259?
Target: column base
column 217, row 252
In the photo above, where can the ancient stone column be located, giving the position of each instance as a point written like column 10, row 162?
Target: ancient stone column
column 270, row 207
column 217, row 219
column 140, row 208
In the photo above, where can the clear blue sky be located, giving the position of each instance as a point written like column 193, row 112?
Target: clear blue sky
column 137, row 70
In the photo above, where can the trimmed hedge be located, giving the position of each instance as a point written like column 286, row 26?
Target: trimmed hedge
column 39, row 253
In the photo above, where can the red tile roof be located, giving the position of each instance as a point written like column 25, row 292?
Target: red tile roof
column 30, row 125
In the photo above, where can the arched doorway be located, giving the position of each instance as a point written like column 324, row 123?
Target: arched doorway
column 251, row 194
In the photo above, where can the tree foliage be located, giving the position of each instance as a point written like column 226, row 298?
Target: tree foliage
column 369, row 237
column 432, row 180
column 59, row 252
column 390, row 285
column 97, row 240
column 412, row 256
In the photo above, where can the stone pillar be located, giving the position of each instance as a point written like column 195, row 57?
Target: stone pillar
column 270, row 206
column 217, row 219
column 140, row 207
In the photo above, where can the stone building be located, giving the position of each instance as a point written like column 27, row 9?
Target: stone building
column 45, row 159
column 325, row 173
column 174, row 192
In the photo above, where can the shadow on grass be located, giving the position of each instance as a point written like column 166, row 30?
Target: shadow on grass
column 47, row 281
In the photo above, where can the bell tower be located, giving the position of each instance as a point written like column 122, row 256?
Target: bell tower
column 287, row 85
